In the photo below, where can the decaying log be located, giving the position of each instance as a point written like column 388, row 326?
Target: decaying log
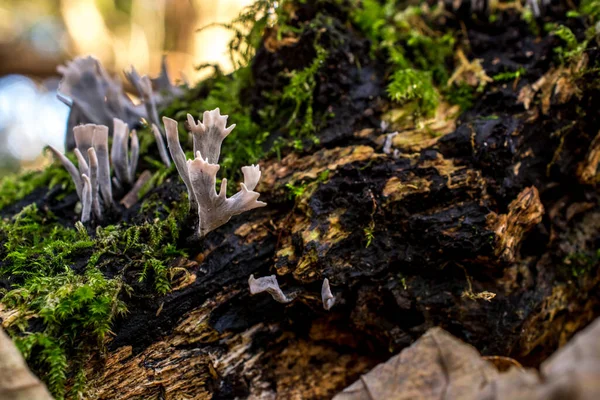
column 476, row 230
column 441, row 246
column 484, row 225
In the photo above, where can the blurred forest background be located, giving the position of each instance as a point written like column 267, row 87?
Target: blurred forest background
column 38, row 35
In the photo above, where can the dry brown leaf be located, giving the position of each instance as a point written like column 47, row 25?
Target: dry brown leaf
column 436, row 366
column 440, row 366
column 572, row 373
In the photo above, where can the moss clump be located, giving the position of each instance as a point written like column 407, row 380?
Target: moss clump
column 572, row 48
column 417, row 55
column 581, row 263
column 300, row 92
column 147, row 246
column 293, row 103
column 591, row 9
column 64, row 287
column 34, row 244
column 71, row 311
column 245, row 145
column 413, row 85
column 460, row 94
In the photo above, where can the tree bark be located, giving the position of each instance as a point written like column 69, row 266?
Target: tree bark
column 478, row 225
column 474, row 231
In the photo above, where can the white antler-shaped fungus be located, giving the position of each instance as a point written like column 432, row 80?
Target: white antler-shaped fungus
column 270, row 285
column 143, row 85
column 96, row 97
column 93, row 91
column 199, row 174
column 92, row 177
column 124, row 164
column 326, row 296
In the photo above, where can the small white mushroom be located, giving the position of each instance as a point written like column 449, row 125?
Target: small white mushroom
column 92, row 177
column 143, row 85
column 94, row 181
column 160, row 143
column 268, row 284
column 86, row 199
column 178, row 157
column 100, row 143
column 124, row 164
column 389, row 138
column 326, row 296
column 71, row 169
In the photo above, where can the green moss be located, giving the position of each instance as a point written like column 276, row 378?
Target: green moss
column 148, row 246
column 295, row 190
column 76, row 310
column 591, row 9
column 412, row 85
column 371, row 17
column 509, row 75
column 291, row 106
column 419, row 57
column 44, row 353
column 461, row 95
column 298, row 190
column 58, row 275
column 572, row 48
column 34, row 244
column 582, row 263
column 300, row 93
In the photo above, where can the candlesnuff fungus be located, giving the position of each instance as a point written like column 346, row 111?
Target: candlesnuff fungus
column 92, row 177
column 143, row 85
column 91, row 142
column 326, row 296
column 96, row 97
column 95, row 94
column 125, row 165
column 199, row 174
column 268, row 284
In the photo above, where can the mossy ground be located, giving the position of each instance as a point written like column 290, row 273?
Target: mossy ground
column 306, row 73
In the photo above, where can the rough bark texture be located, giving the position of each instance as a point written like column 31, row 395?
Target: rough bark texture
column 476, row 230
column 472, row 231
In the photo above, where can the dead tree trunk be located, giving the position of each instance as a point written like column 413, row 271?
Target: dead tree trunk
column 488, row 231
column 486, row 225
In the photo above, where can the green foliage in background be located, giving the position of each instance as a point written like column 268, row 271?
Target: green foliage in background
column 419, row 58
